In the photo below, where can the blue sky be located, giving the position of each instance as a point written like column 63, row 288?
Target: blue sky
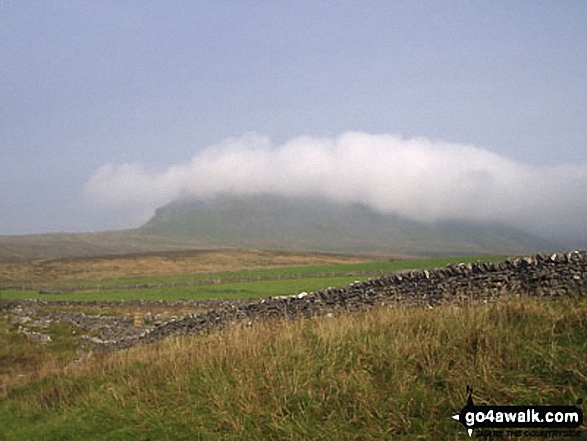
column 87, row 85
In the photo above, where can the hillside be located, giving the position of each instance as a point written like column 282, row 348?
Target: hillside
column 388, row 373
column 59, row 245
column 276, row 222
column 280, row 223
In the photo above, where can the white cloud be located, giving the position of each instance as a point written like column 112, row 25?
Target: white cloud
column 417, row 178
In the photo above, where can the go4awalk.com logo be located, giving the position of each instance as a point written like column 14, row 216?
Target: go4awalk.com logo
column 526, row 419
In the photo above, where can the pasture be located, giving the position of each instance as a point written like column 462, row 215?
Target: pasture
column 217, row 274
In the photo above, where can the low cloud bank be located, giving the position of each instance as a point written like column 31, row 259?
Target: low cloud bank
column 417, row 178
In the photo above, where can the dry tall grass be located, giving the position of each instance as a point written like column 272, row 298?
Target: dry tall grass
column 381, row 374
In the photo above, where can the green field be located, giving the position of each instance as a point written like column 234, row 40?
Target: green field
column 230, row 285
column 240, row 290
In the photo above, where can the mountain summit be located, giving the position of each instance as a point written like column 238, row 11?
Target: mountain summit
column 314, row 224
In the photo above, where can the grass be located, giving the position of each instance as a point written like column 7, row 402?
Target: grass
column 48, row 246
column 381, row 374
column 290, row 280
column 233, row 291
column 21, row 360
column 154, row 266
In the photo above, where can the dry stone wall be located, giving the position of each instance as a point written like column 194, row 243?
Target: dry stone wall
column 554, row 275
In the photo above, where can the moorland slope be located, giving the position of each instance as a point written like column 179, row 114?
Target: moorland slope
column 278, row 222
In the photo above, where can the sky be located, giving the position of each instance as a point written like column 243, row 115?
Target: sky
column 432, row 110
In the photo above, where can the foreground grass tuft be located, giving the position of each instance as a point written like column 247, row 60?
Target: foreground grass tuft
column 382, row 374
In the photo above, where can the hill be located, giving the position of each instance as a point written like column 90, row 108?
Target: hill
column 281, row 223
column 277, row 222
column 60, row 245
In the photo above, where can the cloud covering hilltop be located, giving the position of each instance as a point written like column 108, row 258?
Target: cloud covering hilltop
column 416, row 178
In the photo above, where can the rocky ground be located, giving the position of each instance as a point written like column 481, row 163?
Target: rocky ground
column 101, row 323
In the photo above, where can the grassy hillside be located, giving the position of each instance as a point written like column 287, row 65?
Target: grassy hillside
column 265, row 221
column 272, row 222
column 56, row 245
column 383, row 374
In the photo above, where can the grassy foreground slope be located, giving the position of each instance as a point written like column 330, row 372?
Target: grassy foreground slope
column 382, row 374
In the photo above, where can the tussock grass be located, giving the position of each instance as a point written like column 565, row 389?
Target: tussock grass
column 381, row 374
column 22, row 361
